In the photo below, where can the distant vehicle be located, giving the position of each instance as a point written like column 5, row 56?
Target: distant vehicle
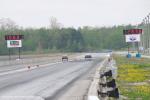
column 64, row 58
column 88, row 57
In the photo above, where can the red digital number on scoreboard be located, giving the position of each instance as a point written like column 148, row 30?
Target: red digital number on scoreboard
column 14, row 37
column 132, row 31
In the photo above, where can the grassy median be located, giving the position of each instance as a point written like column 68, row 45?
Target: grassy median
column 133, row 77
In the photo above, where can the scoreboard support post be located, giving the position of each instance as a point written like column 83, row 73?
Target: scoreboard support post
column 138, row 55
column 19, row 53
column 9, row 54
column 128, row 55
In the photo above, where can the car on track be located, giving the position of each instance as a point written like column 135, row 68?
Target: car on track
column 88, row 57
column 64, row 58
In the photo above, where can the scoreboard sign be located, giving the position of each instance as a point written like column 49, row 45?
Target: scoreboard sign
column 14, row 37
column 133, row 31
column 133, row 35
column 14, row 43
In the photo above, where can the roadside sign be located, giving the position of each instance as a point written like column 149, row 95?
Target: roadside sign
column 14, row 37
column 14, row 43
column 141, row 48
column 132, row 31
column 133, row 38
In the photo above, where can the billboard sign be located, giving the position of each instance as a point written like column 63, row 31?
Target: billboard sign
column 14, row 43
column 133, row 38
column 132, row 31
column 14, row 37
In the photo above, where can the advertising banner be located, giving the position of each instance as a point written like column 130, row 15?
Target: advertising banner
column 14, row 43
column 132, row 38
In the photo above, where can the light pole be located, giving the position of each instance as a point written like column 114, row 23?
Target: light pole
column 145, row 38
column 143, row 43
column 146, row 34
column 148, row 30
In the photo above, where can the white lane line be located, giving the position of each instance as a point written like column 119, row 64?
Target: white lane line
column 13, row 71
column 20, row 98
column 25, row 69
column 93, row 98
column 43, row 65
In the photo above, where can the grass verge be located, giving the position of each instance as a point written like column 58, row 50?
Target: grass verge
column 133, row 77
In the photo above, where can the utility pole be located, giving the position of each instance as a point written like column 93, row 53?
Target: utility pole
column 146, row 34
column 148, row 29
column 142, row 36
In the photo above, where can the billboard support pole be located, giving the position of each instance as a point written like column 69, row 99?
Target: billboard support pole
column 138, row 47
column 128, row 48
column 19, row 52
column 138, row 55
column 9, row 54
column 128, row 55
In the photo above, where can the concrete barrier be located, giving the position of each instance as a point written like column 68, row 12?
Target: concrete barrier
column 97, row 91
column 92, row 93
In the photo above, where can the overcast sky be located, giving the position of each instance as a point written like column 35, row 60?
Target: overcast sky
column 36, row 13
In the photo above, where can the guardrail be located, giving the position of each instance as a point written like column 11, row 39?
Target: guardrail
column 104, row 85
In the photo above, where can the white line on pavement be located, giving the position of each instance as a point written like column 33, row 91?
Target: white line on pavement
column 25, row 69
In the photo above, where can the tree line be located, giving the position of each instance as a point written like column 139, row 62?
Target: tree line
column 59, row 39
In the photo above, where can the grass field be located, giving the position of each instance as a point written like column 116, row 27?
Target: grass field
column 133, row 78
